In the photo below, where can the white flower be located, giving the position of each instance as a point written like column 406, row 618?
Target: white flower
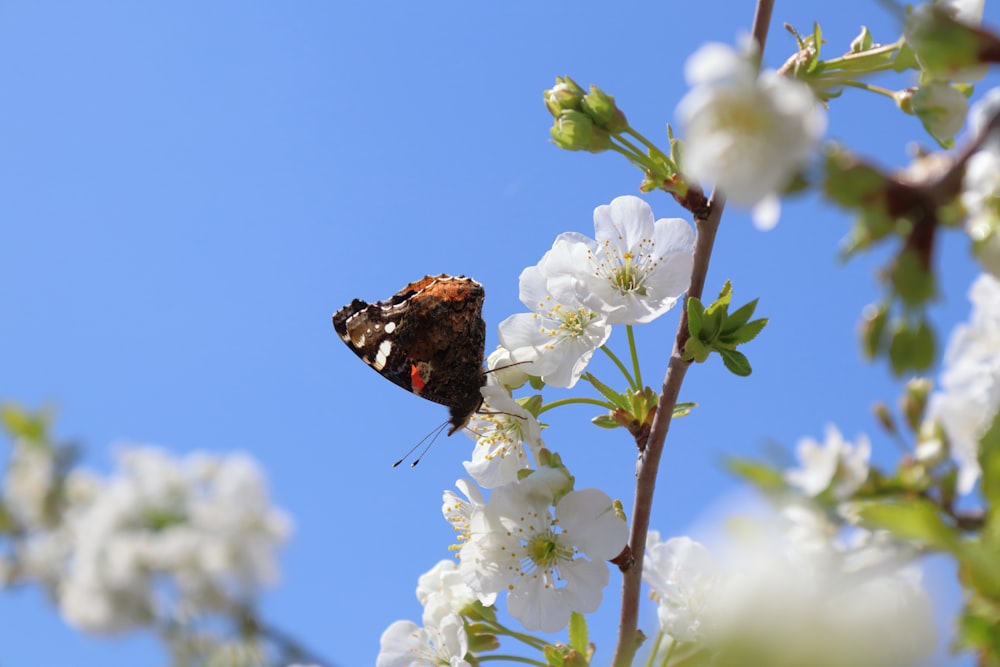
column 505, row 370
column 507, row 439
column 168, row 538
column 837, row 462
column 560, row 335
column 405, row 644
column 442, row 591
column 941, row 109
column 969, row 393
column 748, row 134
column 683, row 577
column 981, row 199
column 635, row 268
column 464, row 515
column 549, row 566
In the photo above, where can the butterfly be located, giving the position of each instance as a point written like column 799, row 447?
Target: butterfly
column 428, row 338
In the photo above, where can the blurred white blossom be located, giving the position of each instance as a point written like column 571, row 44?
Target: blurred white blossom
column 834, row 464
column 746, row 133
column 969, row 394
column 169, row 539
column 791, row 590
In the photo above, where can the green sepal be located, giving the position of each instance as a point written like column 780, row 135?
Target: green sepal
column 605, row 421
column 863, row 41
column 915, row 519
column 578, row 632
column 481, row 639
column 617, row 399
column 531, row 403
column 736, row 362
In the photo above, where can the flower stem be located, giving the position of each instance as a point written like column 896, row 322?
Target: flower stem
column 511, row 658
column 635, row 358
column 655, row 649
column 669, row 653
column 571, row 401
column 502, row 629
column 606, row 350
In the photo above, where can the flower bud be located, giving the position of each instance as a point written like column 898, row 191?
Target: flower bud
column 941, row 109
column 884, row 416
column 603, row 111
column 505, row 370
column 575, row 131
column 914, row 401
column 566, row 94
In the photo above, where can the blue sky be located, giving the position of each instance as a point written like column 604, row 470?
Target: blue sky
column 189, row 190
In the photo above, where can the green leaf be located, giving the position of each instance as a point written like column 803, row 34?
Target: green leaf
column 20, row 423
column 915, row 519
column 695, row 310
column 736, row 362
column 872, row 328
column 760, row 475
column 740, row 317
column 711, row 324
column 747, row 333
column 725, row 298
column 989, row 461
column 978, row 558
column 979, row 630
column 912, row 281
column 578, row 632
column 683, row 409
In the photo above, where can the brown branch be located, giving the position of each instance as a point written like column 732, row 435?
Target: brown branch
column 648, row 463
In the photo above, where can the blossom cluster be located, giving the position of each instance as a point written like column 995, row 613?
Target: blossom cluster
column 536, row 542
column 794, row 590
column 161, row 541
column 968, row 399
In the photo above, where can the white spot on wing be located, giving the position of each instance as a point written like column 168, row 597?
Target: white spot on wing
column 384, row 348
column 390, row 327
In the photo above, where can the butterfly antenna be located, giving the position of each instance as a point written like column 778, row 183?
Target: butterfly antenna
column 433, row 435
column 502, row 368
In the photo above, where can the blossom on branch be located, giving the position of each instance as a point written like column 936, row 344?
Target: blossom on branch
column 550, row 564
column 748, row 134
column 406, row 644
column 507, row 437
column 834, row 464
column 969, row 398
